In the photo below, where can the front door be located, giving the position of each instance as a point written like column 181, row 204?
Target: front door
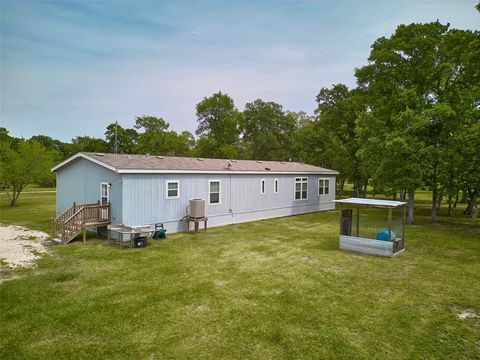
column 104, row 198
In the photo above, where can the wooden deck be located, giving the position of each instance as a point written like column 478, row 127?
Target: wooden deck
column 77, row 219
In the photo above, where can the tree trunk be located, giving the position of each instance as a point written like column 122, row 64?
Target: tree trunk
column 450, row 207
column 474, row 213
column 411, row 206
column 439, row 201
column 341, row 186
column 394, row 196
column 456, row 201
column 356, row 188
column 434, row 201
column 402, row 195
column 14, row 201
column 468, row 210
column 365, row 187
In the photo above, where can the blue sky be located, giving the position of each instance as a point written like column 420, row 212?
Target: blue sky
column 71, row 68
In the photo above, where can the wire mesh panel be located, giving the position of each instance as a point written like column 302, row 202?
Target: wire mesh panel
column 346, row 222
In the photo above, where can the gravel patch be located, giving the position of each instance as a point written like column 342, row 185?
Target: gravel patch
column 19, row 246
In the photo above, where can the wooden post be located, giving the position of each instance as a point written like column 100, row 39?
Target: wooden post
column 389, row 223
column 403, row 224
column 341, row 208
column 358, row 222
column 53, row 228
column 74, row 207
column 83, row 214
column 196, row 226
column 206, row 219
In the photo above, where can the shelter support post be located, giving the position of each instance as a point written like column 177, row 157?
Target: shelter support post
column 358, row 222
column 403, row 223
column 389, row 223
column 341, row 208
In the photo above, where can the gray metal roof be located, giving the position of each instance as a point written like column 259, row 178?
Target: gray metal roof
column 123, row 163
column 371, row 202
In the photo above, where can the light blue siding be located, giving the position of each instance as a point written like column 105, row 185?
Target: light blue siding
column 144, row 198
column 80, row 182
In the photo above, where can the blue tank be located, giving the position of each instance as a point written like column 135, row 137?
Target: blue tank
column 383, row 235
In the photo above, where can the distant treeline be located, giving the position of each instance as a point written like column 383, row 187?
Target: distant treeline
column 413, row 121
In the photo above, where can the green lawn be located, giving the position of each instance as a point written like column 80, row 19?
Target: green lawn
column 276, row 289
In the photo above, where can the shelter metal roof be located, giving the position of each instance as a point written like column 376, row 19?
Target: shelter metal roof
column 371, row 202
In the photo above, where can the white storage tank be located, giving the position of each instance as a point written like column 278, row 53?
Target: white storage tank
column 197, row 208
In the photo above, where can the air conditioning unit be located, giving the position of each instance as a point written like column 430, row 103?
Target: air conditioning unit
column 196, row 208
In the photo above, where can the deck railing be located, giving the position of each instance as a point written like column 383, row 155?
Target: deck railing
column 77, row 218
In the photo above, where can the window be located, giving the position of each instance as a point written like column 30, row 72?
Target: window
column 301, row 188
column 262, row 186
column 173, row 190
column 275, row 186
column 104, row 193
column 323, row 186
column 214, row 192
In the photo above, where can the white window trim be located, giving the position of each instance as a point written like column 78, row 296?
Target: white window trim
column 318, row 190
column 166, row 189
column 276, row 186
column 294, row 187
column 101, row 191
column 263, row 186
column 219, row 192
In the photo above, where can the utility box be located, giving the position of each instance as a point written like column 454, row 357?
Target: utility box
column 140, row 242
column 196, row 208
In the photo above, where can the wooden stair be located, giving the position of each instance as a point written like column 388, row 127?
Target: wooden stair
column 77, row 218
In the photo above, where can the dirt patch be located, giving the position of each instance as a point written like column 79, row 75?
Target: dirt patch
column 19, row 246
column 467, row 314
column 309, row 258
column 464, row 314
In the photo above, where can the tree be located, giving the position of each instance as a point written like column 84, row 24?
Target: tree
column 88, row 144
column 219, row 124
column 414, row 85
column 29, row 163
column 4, row 136
column 127, row 139
column 268, row 131
column 156, row 138
column 336, row 121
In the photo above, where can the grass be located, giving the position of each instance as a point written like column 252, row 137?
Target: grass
column 276, row 289
column 35, row 210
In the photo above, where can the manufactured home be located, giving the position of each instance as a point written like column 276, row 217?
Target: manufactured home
column 136, row 190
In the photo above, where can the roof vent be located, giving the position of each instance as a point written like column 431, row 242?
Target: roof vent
column 233, row 160
column 260, row 162
column 199, row 159
column 99, row 154
column 160, row 157
column 147, row 154
column 129, row 156
column 268, row 169
column 282, row 162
